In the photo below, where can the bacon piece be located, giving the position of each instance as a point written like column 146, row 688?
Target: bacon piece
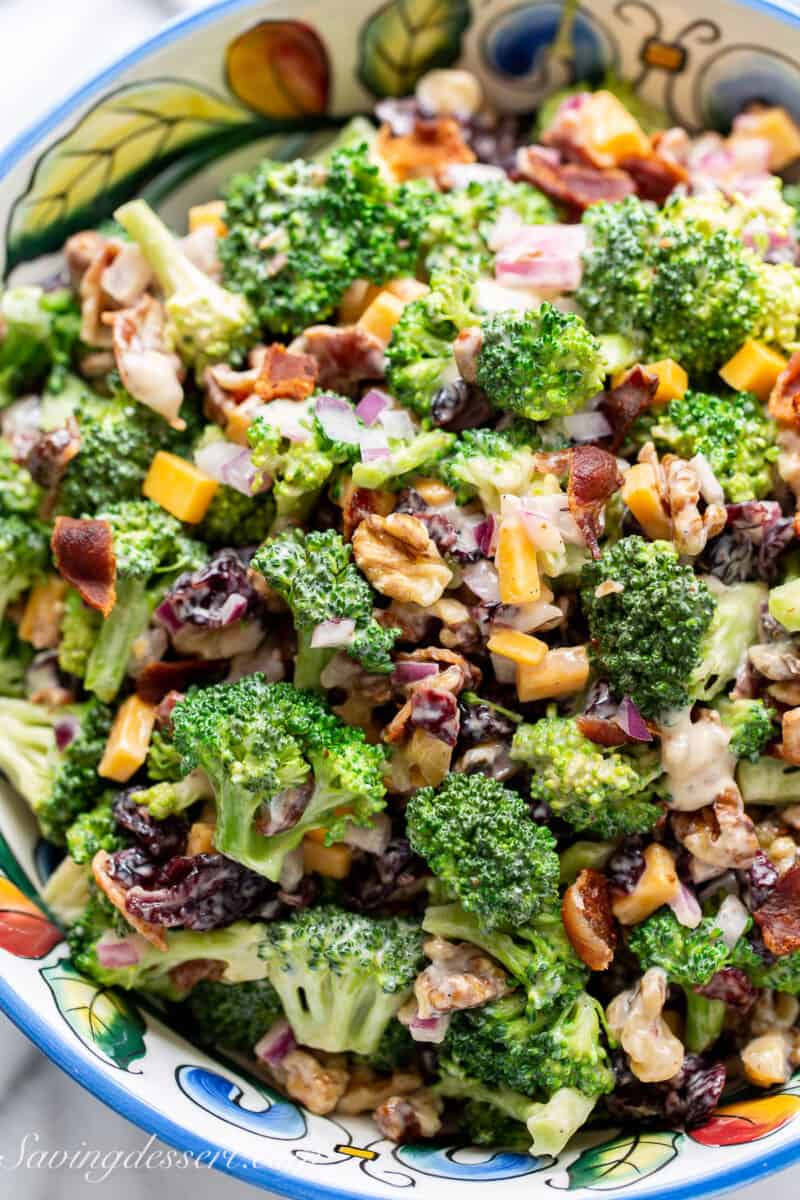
column 573, row 184
column 160, row 679
column 779, row 916
column 784, row 399
column 118, row 896
column 431, row 146
column 48, row 459
column 80, row 251
column 345, row 356
column 654, row 176
column 588, row 919
column 621, row 405
column 150, row 372
column 83, row 551
column 593, row 478
column 164, row 710
column 186, row 975
column 602, row 731
column 94, row 302
column 286, row 375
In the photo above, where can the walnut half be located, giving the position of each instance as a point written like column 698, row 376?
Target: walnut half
column 399, row 558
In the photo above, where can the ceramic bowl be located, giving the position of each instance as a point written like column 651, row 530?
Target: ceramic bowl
column 171, row 121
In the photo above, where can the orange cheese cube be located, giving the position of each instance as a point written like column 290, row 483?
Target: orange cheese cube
column 641, row 495
column 179, row 487
column 519, row 647
column 560, row 673
column 128, row 741
column 208, row 214
column 516, row 565
column 673, row 382
column 382, row 315
column 44, row 608
column 406, row 288
column 241, row 419
column 332, row 861
column 358, row 296
column 753, row 368
column 657, row 884
column 778, row 128
column 608, row 132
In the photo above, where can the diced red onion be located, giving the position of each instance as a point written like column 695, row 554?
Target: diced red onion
column 732, row 918
column 338, row 419
column 429, row 1029
column 336, row 632
column 234, row 607
column 461, row 175
column 542, row 533
column 685, row 907
column 113, row 953
column 149, row 647
column 266, row 659
column 276, row 1043
column 165, row 613
column 631, row 721
column 506, row 229
column 586, row 426
column 504, row 669
column 374, row 445
column 486, row 535
column 288, row 417
column 396, row 423
column 229, row 464
column 292, row 869
column 482, row 579
column 372, row 839
column 372, row 405
column 19, row 423
column 42, row 673
column 710, row 488
column 554, row 508
column 547, row 257
column 412, row 672
column 527, row 617
column 66, row 729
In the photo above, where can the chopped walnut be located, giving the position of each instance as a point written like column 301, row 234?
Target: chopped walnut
column 635, row 1019
column 455, row 672
column 589, row 921
column 690, row 529
column 720, row 834
column 789, row 458
column 790, row 726
column 408, row 1118
column 319, row 1087
column 117, row 894
column 80, row 251
column 773, row 1011
column 399, row 558
column 459, row 976
column 366, row 1089
column 767, row 1060
column 776, row 840
column 778, row 661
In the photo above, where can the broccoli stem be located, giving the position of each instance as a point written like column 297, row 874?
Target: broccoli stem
column 309, row 664
column 108, row 660
column 171, row 267
column 704, row 1021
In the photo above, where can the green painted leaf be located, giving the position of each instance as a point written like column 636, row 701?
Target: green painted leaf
column 125, row 140
column 406, row 38
column 623, row 1161
column 104, row 1020
column 13, row 871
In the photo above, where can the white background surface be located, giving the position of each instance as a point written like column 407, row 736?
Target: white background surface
column 47, row 47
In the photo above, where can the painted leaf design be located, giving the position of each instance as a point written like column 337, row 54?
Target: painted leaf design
column 623, row 1161
column 747, row 1121
column 218, row 1094
column 25, row 931
column 406, row 38
column 105, row 1021
column 13, row 871
column 115, row 148
column 279, row 69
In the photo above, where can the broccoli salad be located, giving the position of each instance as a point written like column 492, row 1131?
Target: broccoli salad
column 400, row 612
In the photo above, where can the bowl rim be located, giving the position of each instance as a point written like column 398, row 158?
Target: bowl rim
column 59, row 1049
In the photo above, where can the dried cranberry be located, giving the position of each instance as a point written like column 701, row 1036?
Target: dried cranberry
column 688, row 1099
column 207, row 891
column 700, row 1090
column 626, row 865
column 762, row 877
column 732, row 986
column 436, row 712
column 376, row 879
column 212, row 597
column 482, row 723
column 158, row 839
column 460, row 405
column 749, row 547
column 132, row 867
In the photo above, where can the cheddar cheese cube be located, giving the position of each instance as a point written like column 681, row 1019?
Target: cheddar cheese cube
column 128, row 741
column 640, row 493
column 208, row 214
column 519, row 647
column 753, row 368
column 608, row 132
column 179, row 487
column 331, row 861
column 560, row 673
column 517, row 569
column 41, row 620
column 673, row 382
column 382, row 315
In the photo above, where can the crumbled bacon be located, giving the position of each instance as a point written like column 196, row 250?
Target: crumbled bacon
column 593, row 478
column 345, row 355
column 117, row 894
column 588, row 919
column 286, row 375
column 655, row 176
column 423, row 152
column 575, row 185
column 80, row 251
column 151, row 373
column 779, row 916
column 160, row 679
column 83, row 551
column 621, row 405
column 94, row 302
column 784, row 400
column 359, row 503
column 602, row 731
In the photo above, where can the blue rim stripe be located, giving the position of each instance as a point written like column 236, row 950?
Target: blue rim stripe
column 42, row 1034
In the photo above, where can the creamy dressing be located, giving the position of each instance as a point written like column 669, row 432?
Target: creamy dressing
column 697, row 760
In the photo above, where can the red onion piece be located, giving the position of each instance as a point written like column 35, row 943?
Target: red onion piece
column 732, row 918
column 229, row 464
column 113, row 953
column 372, row 839
column 586, row 426
column 482, row 579
column 527, row 617
column 554, row 508
column 165, row 613
column 338, row 419
column 546, row 257
column 372, row 405
column 289, row 417
column 276, row 1043
column 631, row 721
column 542, row 533
column 66, row 729
column 412, row 672
column 234, row 607
column 336, row 632
column 374, row 445
column 461, row 175
column 429, row 1029
column 396, row 423
column 486, row 535
column 684, row 905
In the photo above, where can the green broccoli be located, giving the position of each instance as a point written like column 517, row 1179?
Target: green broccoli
column 733, row 433
column 15, row 657
column 169, row 796
column 423, row 454
column 647, row 636
column 778, row 290
column 420, row 353
column 39, row 333
column 340, row 976
column 163, row 760
column 67, row 891
column 751, row 724
column 151, row 550
column 491, row 464
column 479, row 840
column 599, row 789
column 80, row 627
column 395, row 1050
column 458, row 226
column 733, row 629
column 235, row 1015
column 24, row 555
column 764, row 970
column 768, row 780
column 263, row 744
column 615, row 290
column 57, row 784
column 540, row 363
column 18, row 492
column 236, row 520
column 206, row 323
column 784, row 602
column 298, row 470
column 93, row 830
column 498, row 1116
column 299, row 233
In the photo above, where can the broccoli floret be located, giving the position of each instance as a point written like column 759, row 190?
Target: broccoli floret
column 206, row 323
column 395, row 1050
column 298, row 470
column 733, row 433
column 24, row 555
column 733, row 629
column 599, row 789
column 95, row 830
column 163, row 759
column 314, row 575
column 58, row 785
column 489, row 1122
column 80, row 627
column 778, row 290
column 422, row 454
column 151, row 550
column 538, row 955
column 340, row 976
column 549, row 1124
column 491, row 464
column 235, row 1015
column 479, row 840
column 234, row 519
column 689, row 956
column 751, row 724
column 66, row 893
column 15, row 657
column 18, row 492
column 458, row 227
column 617, row 273
column 420, row 353
column 539, row 364
column 39, row 332
column 769, row 780
column 764, row 970
column 299, row 233
column 169, row 797
column 257, row 742
column 647, row 636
